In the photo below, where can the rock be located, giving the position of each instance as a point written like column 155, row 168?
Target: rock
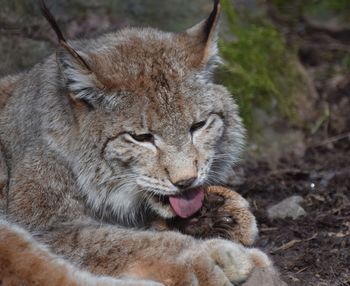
column 264, row 277
column 273, row 142
column 19, row 53
column 289, row 207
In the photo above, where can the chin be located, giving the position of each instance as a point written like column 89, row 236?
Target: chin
column 161, row 206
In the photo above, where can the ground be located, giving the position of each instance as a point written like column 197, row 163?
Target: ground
column 313, row 249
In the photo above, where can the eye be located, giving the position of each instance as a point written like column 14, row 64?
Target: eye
column 147, row 137
column 197, row 126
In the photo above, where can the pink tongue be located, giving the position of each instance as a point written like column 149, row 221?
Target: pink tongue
column 188, row 203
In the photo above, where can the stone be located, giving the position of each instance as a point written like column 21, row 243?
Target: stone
column 289, row 207
column 264, row 277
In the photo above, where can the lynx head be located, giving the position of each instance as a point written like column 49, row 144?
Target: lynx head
column 148, row 126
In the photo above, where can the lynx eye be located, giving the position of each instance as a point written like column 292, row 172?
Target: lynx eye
column 197, row 126
column 147, row 137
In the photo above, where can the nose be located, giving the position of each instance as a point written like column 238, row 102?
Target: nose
column 183, row 184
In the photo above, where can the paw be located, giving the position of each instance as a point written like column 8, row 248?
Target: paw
column 224, row 214
column 234, row 218
column 236, row 261
column 190, row 262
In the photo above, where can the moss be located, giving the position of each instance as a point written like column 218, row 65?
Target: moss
column 258, row 68
column 322, row 10
column 340, row 7
column 346, row 62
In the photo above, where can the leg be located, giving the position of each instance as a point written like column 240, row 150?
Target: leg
column 225, row 214
column 23, row 261
column 168, row 257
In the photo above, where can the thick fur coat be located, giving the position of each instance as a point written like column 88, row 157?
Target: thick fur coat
column 94, row 139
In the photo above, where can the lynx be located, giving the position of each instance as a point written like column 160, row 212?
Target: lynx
column 101, row 138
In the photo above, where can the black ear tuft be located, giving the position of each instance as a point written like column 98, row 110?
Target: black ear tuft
column 53, row 23
column 202, row 39
column 212, row 19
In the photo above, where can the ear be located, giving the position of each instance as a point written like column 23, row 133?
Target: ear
column 80, row 78
column 81, row 81
column 204, row 34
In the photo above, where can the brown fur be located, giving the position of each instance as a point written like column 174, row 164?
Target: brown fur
column 225, row 214
column 3, row 178
column 25, row 262
column 31, row 265
column 80, row 181
column 244, row 228
column 8, row 85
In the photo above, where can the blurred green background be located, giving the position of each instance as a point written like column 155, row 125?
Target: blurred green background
column 287, row 63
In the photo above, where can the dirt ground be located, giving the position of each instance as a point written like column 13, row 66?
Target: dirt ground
column 313, row 249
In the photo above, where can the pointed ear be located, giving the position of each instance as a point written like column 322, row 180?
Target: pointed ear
column 205, row 35
column 50, row 18
column 79, row 76
column 81, row 81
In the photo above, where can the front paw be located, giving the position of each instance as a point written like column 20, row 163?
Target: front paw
column 215, row 262
column 234, row 217
column 236, row 261
column 224, row 214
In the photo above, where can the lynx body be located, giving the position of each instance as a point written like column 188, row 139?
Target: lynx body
column 95, row 141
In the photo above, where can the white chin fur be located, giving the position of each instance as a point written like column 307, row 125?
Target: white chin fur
column 165, row 211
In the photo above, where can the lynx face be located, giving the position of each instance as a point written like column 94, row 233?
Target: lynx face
column 151, row 128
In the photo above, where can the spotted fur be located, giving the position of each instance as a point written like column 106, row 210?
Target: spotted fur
column 78, row 180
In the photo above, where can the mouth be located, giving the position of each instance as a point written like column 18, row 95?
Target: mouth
column 184, row 204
